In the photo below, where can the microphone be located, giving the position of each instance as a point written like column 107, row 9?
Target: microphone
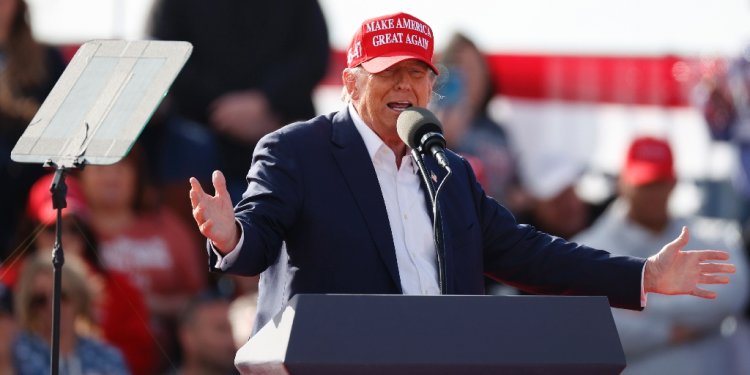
column 422, row 131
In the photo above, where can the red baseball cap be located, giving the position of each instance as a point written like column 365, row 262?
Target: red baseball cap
column 383, row 41
column 648, row 160
column 39, row 206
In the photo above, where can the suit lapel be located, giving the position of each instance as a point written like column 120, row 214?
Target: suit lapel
column 356, row 166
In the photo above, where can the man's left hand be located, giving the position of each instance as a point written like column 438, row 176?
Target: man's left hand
column 676, row 271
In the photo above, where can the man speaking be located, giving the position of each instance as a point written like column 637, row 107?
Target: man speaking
column 335, row 205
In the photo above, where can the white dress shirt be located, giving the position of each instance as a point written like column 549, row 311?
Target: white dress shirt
column 410, row 223
column 411, row 226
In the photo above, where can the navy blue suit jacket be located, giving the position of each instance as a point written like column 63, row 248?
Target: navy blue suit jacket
column 314, row 221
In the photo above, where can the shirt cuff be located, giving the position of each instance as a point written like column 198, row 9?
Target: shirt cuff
column 644, row 297
column 224, row 261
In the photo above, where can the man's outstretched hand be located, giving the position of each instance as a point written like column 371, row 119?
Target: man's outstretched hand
column 675, row 271
column 215, row 214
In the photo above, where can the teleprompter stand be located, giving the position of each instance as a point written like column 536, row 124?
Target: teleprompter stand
column 398, row 334
column 93, row 115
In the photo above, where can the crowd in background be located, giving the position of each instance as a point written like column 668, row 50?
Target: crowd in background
column 136, row 295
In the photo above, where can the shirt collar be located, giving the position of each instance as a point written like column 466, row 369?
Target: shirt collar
column 373, row 143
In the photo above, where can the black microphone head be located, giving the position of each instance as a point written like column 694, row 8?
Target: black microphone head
column 414, row 122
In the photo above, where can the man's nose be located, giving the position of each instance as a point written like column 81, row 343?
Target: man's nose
column 402, row 79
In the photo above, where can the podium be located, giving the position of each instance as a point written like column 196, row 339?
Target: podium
column 397, row 334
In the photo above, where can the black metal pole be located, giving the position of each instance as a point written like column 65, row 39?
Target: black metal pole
column 437, row 224
column 58, row 190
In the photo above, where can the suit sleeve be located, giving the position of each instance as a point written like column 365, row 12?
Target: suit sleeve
column 536, row 262
column 267, row 209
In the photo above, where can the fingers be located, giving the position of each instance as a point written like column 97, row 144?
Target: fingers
column 196, row 191
column 205, row 228
column 680, row 241
column 704, row 255
column 718, row 268
column 713, row 279
column 698, row 292
column 198, row 214
column 220, row 184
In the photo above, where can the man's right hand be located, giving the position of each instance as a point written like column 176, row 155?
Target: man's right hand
column 215, row 214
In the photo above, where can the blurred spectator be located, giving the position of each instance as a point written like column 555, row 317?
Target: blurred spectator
column 36, row 230
column 553, row 205
column 463, row 109
column 253, row 69
column 244, row 290
column 28, row 71
column 468, row 128
column 8, row 330
column 242, row 313
column 79, row 354
column 205, row 335
column 178, row 149
column 144, row 240
column 120, row 313
column 724, row 98
column 674, row 334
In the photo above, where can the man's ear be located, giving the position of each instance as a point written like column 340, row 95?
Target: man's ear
column 350, row 82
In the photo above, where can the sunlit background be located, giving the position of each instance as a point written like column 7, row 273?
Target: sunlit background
column 572, row 26
column 588, row 130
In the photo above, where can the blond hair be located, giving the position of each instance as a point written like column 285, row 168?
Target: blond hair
column 74, row 285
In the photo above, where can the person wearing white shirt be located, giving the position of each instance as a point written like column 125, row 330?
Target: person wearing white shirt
column 675, row 334
column 333, row 205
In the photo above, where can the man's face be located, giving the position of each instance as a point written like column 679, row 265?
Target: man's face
column 381, row 97
column 209, row 339
column 563, row 215
column 649, row 202
column 110, row 186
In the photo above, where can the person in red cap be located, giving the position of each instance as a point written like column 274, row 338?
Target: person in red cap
column 647, row 180
column 120, row 309
column 335, row 205
column 36, row 230
column 675, row 334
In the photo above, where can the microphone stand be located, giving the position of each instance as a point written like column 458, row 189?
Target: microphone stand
column 59, row 190
column 437, row 219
